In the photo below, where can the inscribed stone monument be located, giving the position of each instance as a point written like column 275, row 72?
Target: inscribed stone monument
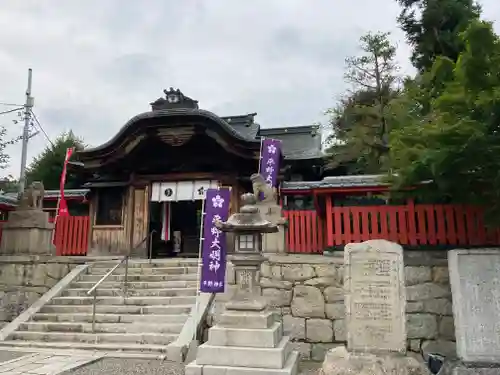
column 475, row 283
column 375, row 297
column 375, row 302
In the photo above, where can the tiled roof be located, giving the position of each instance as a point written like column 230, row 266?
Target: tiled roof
column 337, row 182
column 11, row 198
column 299, row 142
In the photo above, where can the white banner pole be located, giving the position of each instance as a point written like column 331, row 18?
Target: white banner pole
column 200, row 265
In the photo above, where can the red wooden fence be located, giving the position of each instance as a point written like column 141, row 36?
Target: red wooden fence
column 305, row 232
column 411, row 225
column 71, row 235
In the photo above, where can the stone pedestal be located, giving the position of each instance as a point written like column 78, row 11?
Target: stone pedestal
column 27, row 232
column 245, row 343
column 273, row 242
column 339, row 361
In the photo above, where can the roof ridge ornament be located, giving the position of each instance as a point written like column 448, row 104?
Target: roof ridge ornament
column 174, row 99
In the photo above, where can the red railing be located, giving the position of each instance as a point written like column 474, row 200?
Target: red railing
column 305, row 232
column 411, row 225
column 71, row 235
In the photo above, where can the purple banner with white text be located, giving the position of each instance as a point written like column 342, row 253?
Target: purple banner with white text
column 270, row 155
column 213, row 251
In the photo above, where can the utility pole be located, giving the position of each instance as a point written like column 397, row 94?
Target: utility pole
column 27, row 119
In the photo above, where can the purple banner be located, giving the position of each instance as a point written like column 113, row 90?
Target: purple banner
column 270, row 155
column 213, row 252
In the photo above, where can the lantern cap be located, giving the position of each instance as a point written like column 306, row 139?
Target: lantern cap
column 248, row 220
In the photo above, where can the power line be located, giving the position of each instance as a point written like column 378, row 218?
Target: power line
column 42, row 129
column 11, row 110
column 11, row 104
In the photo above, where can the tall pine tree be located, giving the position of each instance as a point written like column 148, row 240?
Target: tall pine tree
column 433, row 27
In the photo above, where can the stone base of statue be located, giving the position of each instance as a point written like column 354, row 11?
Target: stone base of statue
column 273, row 242
column 339, row 361
column 27, row 232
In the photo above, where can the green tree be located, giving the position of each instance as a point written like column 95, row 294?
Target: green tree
column 456, row 145
column 432, row 28
column 359, row 122
column 47, row 167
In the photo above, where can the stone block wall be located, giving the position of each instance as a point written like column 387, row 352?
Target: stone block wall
column 307, row 291
column 24, row 279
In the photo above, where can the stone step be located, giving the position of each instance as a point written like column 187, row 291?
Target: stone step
column 143, row 278
column 112, row 318
column 137, row 284
column 117, row 292
column 245, row 356
column 160, row 327
column 117, row 347
column 180, row 270
column 137, row 301
column 118, row 309
column 290, row 368
column 136, row 338
column 190, row 262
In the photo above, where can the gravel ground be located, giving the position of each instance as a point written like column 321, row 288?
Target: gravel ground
column 7, row 355
column 129, row 366
column 309, row 368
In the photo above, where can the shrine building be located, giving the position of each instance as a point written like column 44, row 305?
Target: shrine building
column 152, row 175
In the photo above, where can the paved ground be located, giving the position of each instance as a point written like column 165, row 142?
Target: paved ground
column 6, row 355
column 129, row 366
column 43, row 363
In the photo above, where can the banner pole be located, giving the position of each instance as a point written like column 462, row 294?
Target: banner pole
column 200, row 265
column 260, row 153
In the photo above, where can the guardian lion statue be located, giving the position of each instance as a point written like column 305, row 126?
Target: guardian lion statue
column 32, row 197
column 260, row 185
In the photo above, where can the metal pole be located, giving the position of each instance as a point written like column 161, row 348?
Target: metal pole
column 93, row 310
column 125, row 284
column 27, row 118
column 200, row 265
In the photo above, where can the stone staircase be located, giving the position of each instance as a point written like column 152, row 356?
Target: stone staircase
column 160, row 297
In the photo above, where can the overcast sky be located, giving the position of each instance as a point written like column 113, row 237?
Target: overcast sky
column 96, row 63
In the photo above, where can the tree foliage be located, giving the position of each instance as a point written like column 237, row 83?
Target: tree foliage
column 359, row 122
column 432, row 28
column 47, row 167
column 456, row 143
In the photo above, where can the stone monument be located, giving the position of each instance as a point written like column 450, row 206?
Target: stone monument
column 27, row 230
column 248, row 338
column 475, row 285
column 375, row 302
column 272, row 212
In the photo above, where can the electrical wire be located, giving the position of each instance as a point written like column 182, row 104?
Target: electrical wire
column 42, row 129
column 11, row 110
column 11, row 104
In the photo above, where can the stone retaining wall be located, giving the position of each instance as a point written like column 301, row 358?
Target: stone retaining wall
column 307, row 290
column 24, row 279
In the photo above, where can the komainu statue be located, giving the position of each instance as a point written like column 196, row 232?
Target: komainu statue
column 32, row 197
column 260, row 185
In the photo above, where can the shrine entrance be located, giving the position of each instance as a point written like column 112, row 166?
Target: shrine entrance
column 175, row 214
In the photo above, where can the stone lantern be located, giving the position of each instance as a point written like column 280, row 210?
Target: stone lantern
column 248, row 227
column 248, row 338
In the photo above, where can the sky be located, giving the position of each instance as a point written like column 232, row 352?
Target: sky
column 98, row 63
